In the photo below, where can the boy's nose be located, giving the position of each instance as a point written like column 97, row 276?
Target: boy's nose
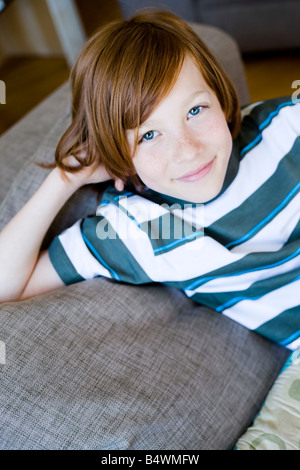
column 187, row 146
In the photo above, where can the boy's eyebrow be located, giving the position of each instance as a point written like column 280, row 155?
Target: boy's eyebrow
column 196, row 93
column 190, row 98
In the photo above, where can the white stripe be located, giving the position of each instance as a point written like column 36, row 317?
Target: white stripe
column 83, row 261
column 186, row 261
column 293, row 345
column 278, row 140
column 192, row 215
column 253, row 313
column 242, row 282
column 276, row 233
column 142, row 209
column 247, row 110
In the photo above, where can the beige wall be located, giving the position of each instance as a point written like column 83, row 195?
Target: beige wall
column 26, row 28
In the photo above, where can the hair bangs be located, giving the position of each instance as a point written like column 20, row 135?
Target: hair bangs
column 152, row 65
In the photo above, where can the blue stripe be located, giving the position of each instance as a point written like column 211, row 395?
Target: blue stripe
column 251, row 145
column 266, row 219
column 291, row 338
column 176, row 242
column 206, row 279
column 240, row 299
column 120, row 196
column 263, row 125
column 102, row 203
column 115, row 198
column 96, row 254
column 123, row 209
column 267, row 121
column 130, row 216
column 235, row 301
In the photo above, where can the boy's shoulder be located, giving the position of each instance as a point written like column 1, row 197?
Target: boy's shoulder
column 257, row 117
column 132, row 197
column 262, row 112
column 112, row 195
column 126, row 201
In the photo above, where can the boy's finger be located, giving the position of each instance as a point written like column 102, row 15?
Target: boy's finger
column 119, row 185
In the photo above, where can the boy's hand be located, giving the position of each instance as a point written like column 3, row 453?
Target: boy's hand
column 92, row 174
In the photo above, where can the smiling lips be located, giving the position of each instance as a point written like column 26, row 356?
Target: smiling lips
column 197, row 174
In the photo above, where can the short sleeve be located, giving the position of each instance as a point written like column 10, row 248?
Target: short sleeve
column 94, row 247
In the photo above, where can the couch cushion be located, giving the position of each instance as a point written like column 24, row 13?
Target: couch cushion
column 277, row 427
column 100, row 365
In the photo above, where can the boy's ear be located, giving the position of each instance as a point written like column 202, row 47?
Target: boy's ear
column 119, row 184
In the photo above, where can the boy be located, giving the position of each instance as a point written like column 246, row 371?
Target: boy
column 153, row 110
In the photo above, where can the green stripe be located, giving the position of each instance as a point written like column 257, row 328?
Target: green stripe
column 169, row 231
column 261, row 112
column 249, row 263
column 258, row 289
column 249, row 132
column 284, row 326
column 221, row 301
column 113, row 252
column 295, row 235
column 259, row 209
column 259, row 119
column 111, row 194
column 62, row 264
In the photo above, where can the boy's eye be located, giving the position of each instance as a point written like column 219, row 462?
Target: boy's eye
column 195, row 110
column 149, row 136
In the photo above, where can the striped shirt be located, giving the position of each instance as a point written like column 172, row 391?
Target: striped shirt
column 238, row 253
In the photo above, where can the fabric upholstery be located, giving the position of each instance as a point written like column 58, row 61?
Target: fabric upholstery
column 99, row 365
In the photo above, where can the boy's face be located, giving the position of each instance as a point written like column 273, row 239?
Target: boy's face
column 185, row 145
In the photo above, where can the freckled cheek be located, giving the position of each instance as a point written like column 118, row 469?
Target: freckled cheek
column 151, row 168
column 227, row 141
column 220, row 134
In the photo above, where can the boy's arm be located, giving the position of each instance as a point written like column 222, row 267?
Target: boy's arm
column 21, row 239
column 23, row 270
column 43, row 279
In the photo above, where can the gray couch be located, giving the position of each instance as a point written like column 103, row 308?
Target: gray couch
column 256, row 25
column 102, row 365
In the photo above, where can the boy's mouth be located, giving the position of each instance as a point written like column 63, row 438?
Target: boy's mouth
column 197, row 174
